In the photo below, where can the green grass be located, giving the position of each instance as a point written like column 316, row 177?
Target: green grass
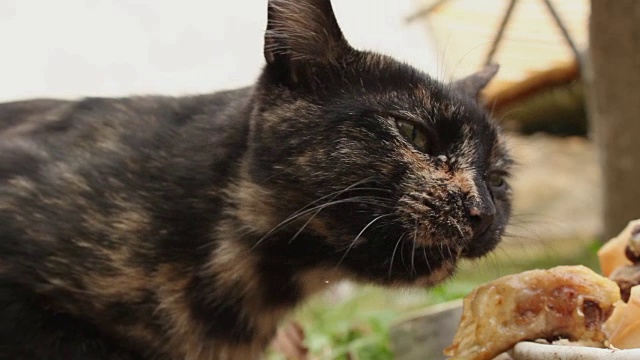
column 358, row 326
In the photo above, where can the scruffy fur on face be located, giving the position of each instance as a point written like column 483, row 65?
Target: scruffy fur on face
column 187, row 228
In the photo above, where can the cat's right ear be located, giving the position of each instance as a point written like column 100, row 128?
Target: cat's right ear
column 473, row 84
column 301, row 33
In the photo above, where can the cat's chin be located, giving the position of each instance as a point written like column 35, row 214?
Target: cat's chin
column 435, row 277
column 446, row 271
column 424, row 280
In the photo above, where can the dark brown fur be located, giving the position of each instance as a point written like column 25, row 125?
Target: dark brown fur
column 186, row 228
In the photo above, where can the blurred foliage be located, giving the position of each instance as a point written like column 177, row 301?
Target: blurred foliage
column 358, row 327
column 559, row 110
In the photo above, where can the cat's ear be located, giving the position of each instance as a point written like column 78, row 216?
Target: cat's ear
column 302, row 32
column 473, row 84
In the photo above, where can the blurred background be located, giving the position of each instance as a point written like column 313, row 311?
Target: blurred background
column 566, row 94
column 76, row 48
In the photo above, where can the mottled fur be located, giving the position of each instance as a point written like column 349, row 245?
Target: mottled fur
column 186, row 228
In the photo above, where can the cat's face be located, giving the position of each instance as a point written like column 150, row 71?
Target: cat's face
column 396, row 174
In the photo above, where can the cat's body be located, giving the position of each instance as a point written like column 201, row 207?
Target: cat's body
column 170, row 228
column 131, row 198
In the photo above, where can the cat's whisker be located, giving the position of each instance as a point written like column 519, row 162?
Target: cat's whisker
column 363, row 200
column 404, row 264
column 276, row 174
column 303, row 211
column 451, row 257
column 463, row 58
column 457, row 226
column 460, row 231
column 413, row 259
column 492, row 112
column 334, row 194
column 440, row 247
column 358, row 236
column 415, row 238
column 393, row 254
column 426, row 258
column 457, row 245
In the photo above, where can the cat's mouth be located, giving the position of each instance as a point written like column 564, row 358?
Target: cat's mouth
column 481, row 244
column 438, row 263
column 460, row 241
column 424, row 255
column 421, row 265
column 437, row 276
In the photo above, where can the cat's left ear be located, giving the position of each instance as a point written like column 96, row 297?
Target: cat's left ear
column 301, row 33
column 473, row 84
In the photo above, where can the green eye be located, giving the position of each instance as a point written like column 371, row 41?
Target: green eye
column 495, row 179
column 412, row 134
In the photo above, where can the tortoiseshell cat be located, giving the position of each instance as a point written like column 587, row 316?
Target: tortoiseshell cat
column 186, row 228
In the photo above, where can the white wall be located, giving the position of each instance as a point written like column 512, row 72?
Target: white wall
column 71, row 48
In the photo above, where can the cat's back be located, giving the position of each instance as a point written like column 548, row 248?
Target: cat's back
column 49, row 118
column 30, row 111
column 34, row 133
column 89, row 168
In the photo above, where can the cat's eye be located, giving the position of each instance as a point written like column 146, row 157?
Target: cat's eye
column 496, row 179
column 413, row 134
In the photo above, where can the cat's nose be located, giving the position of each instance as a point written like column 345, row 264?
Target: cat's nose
column 482, row 218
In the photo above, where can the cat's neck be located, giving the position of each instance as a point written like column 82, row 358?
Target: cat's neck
column 282, row 257
column 255, row 275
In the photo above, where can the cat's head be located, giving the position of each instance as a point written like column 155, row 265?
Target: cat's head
column 395, row 174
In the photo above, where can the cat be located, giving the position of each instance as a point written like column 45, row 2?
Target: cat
column 187, row 228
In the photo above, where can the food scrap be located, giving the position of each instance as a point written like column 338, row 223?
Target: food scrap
column 567, row 301
column 623, row 327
